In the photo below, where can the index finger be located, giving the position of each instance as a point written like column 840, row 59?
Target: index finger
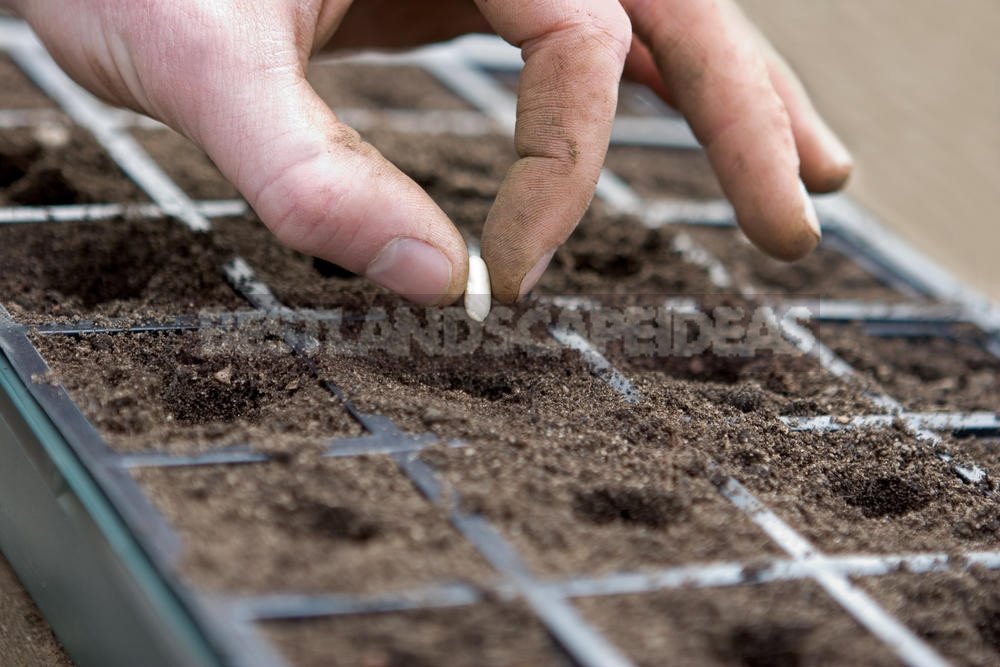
column 718, row 79
column 574, row 52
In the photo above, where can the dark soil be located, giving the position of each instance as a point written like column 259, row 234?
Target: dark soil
column 665, row 174
column 186, row 164
column 774, row 625
column 336, row 525
column 958, row 613
column 299, row 281
column 826, row 273
column 78, row 172
column 195, row 391
column 618, row 255
column 352, row 86
column 113, row 268
column 26, row 640
column 878, row 491
column 924, row 373
column 575, row 476
column 17, row 91
column 484, row 635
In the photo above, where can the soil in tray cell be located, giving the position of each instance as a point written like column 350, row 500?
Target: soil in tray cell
column 354, row 86
column 186, row 164
column 828, row 273
column 881, row 491
column 957, row 613
column 659, row 173
column 49, row 167
column 297, row 280
column 483, row 635
column 113, row 268
column 598, row 503
column 768, row 382
column 618, row 260
column 17, row 91
column 310, row 525
column 780, row 624
column 195, row 391
column 954, row 373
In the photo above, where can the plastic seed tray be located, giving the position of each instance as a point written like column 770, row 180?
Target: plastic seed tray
column 86, row 516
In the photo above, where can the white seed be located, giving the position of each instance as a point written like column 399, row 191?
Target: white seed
column 478, row 297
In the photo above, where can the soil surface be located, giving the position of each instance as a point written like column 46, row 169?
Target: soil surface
column 958, row 613
column 195, row 391
column 111, row 268
column 35, row 171
column 26, row 640
column 858, row 490
column 826, row 273
column 17, row 91
column 186, row 164
column 778, row 625
column 484, row 635
column 923, row 373
column 665, row 174
column 352, row 86
column 334, row 525
column 576, row 477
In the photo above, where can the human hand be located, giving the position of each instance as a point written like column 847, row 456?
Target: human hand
column 231, row 77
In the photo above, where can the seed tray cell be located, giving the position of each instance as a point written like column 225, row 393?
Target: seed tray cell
column 788, row 623
column 309, row 525
column 195, row 391
column 769, row 381
column 484, row 635
column 58, row 165
column 833, row 271
column 938, row 368
column 110, row 268
column 957, row 612
column 861, row 491
column 186, row 164
column 595, row 504
column 365, row 86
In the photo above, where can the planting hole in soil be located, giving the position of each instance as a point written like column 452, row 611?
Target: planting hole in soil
column 44, row 168
column 332, row 525
column 115, row 268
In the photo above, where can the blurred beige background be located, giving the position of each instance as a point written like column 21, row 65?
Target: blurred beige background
column 913, row 87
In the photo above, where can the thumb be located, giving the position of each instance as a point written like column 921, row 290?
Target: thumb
column 325, row 192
